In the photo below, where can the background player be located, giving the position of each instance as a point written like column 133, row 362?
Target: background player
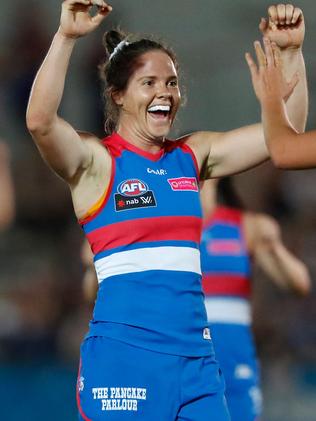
column 233, row 240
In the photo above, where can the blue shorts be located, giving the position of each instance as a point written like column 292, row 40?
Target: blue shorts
column 118, row 382
column 244, row 405
column 236, row 353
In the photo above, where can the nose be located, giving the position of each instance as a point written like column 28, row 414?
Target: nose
column 163, row 91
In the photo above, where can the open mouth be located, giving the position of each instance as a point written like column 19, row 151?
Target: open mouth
column 160, row 112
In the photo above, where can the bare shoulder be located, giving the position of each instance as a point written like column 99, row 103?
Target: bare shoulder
column 201, row 144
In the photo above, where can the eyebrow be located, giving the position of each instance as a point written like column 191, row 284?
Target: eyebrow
column 155, row 77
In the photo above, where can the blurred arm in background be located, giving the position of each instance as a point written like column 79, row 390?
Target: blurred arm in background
column 265, row 245
column 90, row 282
column 7, row 197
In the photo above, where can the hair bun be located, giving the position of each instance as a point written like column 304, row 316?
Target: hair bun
column 112, row 39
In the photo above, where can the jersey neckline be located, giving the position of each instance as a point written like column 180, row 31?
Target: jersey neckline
column 133, row 148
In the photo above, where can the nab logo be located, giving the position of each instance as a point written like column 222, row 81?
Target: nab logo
column 132, row 188
column 133, row 194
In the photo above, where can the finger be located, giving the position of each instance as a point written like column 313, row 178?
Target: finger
column 289, row 9
column 273, row 26
column 105, row 9
column 272, row 13
column 98, row 3
column 297, row 15
column 281, row 14
column 261, row 58
column 263, row 25
column 74, row 2
column 103, row 12
column 252, row 66
column 268, row 51
column 277, row 56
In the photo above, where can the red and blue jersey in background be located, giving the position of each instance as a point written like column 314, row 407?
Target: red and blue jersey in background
column 226, row 268
column 145, row 236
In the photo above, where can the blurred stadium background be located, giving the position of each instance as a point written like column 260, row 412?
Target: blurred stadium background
column 42, row 312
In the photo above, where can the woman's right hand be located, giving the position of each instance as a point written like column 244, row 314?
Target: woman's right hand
column 76, row 20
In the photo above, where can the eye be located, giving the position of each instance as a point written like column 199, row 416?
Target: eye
column 148, row 82
column 173, row 83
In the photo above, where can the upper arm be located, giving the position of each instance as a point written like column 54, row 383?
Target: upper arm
column 63, row 148
column 221, row 154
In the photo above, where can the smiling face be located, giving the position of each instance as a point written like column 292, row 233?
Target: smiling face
column 150, row 102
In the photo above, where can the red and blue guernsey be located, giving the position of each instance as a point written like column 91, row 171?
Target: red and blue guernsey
column 145, row 237
column 226, row 269
column 226, row 265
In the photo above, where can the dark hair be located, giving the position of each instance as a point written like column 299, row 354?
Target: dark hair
column 120, row 66
column 227, row 194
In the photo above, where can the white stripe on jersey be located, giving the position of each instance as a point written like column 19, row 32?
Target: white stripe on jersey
column 228, row 310
column 183, row 259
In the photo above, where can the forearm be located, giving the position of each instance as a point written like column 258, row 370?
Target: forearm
column 278, row 130
column 293, row 274
column 297, row 104
column 49, row 84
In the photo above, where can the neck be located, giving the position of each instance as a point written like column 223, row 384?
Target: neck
column 138, row 139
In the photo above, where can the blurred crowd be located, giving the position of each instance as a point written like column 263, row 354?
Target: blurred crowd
column 43, row 314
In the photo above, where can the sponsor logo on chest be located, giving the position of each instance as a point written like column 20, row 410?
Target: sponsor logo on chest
column 157, row 171
column 218, row 246
column 133, row 193
column 183, row 184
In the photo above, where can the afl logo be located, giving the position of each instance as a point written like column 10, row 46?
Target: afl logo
column 133, row 187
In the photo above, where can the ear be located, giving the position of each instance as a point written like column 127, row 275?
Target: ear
column 117, row 97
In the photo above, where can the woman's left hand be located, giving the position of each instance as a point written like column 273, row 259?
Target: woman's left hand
column 267, row 77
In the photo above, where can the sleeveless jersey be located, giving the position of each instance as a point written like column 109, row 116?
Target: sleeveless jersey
column 226, row 266
column 145, row 236
column 226, row 269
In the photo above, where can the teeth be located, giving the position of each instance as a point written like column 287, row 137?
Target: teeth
column 165, row 108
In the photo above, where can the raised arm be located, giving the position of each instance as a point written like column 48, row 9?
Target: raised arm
column 61, row 146
column 271, row 255
column 288, row 148
column 221, row 154
column 286, row 29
